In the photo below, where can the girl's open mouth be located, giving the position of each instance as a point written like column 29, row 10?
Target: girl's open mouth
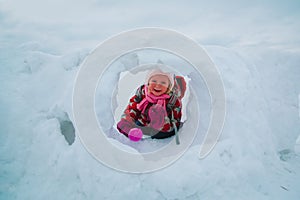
column 157, row 90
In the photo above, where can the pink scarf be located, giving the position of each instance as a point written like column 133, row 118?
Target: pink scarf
column 150, row 98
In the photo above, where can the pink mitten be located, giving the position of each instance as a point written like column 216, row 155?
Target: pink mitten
column 135, row 134
column 157, row 116
column 124, row 126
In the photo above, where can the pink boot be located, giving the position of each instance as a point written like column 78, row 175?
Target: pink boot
column 135, row 134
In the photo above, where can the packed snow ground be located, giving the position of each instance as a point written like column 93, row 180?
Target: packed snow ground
column 257, row 156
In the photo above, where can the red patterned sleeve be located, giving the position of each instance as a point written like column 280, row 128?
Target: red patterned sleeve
column 168, row 126
column 131, row 112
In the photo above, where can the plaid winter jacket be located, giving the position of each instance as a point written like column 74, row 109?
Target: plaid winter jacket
column 131, row 112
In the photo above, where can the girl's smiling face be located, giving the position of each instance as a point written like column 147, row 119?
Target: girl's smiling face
column 158, row 85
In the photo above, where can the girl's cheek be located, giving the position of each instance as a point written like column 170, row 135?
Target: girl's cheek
column 152, row 85
column 164, row 87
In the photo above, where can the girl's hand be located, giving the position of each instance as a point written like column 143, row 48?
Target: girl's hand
column 157, row 116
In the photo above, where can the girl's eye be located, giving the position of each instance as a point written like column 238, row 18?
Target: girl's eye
column 153, row 81
column 163, row 83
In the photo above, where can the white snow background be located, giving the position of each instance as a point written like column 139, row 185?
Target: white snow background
column 256, row 47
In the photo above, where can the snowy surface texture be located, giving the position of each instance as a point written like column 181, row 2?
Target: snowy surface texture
column 255, row 46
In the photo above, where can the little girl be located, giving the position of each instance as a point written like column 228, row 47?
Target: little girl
column 148, row 112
